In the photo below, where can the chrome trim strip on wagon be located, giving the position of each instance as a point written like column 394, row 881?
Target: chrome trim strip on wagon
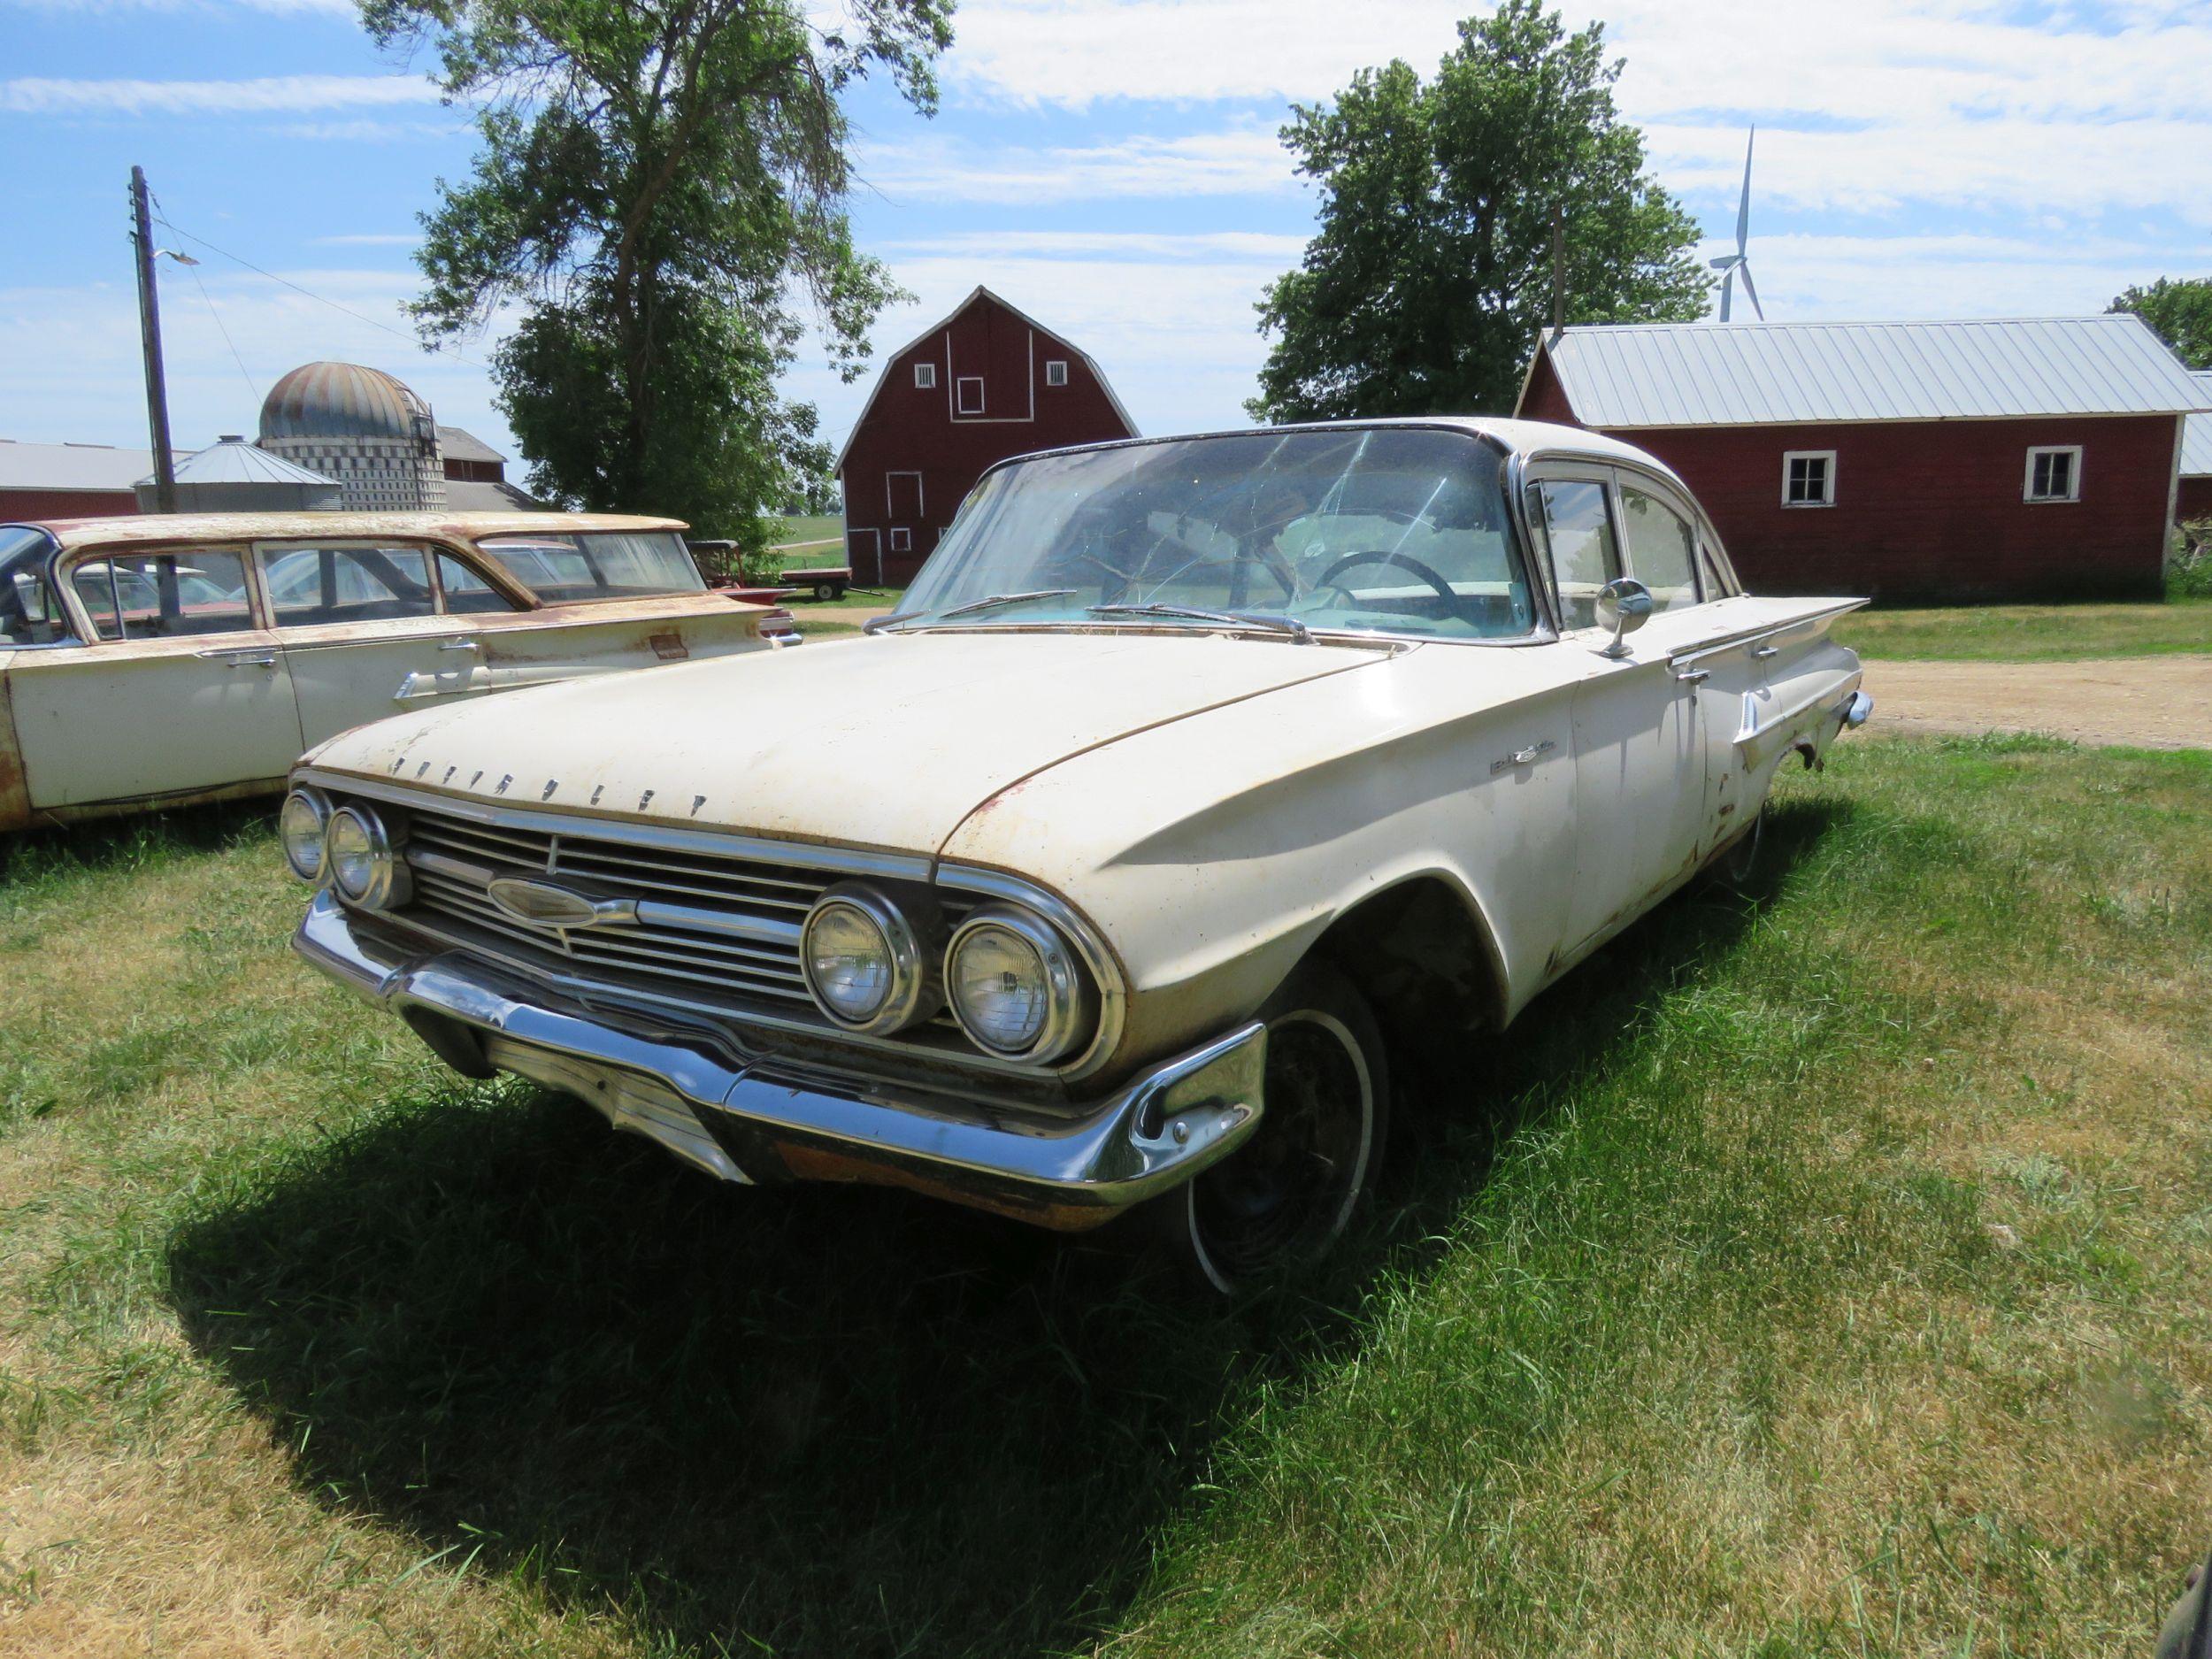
column 1147, row 1136
column 724, row 846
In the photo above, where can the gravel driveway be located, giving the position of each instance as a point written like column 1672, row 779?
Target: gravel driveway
column 2145, row 702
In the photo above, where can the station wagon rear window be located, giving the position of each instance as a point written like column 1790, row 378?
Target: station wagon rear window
column 1393, row 530
column 599, row 564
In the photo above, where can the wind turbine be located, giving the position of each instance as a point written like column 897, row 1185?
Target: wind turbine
column 1739, row 263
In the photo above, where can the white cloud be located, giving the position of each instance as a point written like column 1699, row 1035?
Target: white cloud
column 1233, row 162
column 1864, row 104
column 370, row 132
column 1233, row 244
column 271, row 94
column 72, row 354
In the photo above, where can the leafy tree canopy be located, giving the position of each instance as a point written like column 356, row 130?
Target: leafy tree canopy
column 1424, row 289
column 2179, row 311
column 661, row 188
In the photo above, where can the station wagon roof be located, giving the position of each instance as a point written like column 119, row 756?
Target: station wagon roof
column 162, row 528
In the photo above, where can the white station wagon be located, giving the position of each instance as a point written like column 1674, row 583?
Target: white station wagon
column 146, row 662
column 1202, row 786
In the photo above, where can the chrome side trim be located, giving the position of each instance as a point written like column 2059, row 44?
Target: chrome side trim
column 1755, row 636
column 1142, row 1139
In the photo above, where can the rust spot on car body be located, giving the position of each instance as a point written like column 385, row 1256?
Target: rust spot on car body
column 15, row 798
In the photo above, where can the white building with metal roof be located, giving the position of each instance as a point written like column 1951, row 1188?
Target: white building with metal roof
column 1985, row 458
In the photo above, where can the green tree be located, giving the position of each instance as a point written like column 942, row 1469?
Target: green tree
column 1431, row 275
column 661, row 189
column 2179, row 311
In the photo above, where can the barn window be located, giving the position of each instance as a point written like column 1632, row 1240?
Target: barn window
column 1055, row 372
column 901, row 539
column 971, row 394
column 925, row 376
column 2054, row 473
column 1809, row 478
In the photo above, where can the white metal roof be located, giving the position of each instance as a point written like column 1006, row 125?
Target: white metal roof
column 234, row 461
column 72, row 466
column 461, row 445
column 1707, row 375
column 2196, row 436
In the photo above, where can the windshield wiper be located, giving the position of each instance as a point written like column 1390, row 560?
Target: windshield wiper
column 1291, row 626
column 992, row 601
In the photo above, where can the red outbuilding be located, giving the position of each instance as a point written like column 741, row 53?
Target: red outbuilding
column 2193, row 498
column 986, row 383
column 1913, row 461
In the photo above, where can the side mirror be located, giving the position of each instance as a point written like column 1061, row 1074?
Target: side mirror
column 1624, row 606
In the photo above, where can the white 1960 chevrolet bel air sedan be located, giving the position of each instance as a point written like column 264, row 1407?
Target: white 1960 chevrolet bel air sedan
column 1199, row 786
column 145, row 662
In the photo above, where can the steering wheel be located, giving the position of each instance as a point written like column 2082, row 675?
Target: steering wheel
column 1404, row 560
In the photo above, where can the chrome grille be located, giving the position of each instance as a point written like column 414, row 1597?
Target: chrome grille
column 706, row 924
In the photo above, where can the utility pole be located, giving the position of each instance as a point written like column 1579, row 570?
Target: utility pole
column 1558, row 270
column 149, row 343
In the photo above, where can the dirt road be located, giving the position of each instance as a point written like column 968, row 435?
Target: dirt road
column 2145, row 702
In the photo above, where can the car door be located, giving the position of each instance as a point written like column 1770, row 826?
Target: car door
column 170, row 686
column 365, row 630
column 1722, row 671
column 1639, row 749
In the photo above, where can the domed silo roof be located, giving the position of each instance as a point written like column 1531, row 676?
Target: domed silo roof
column 341, row 399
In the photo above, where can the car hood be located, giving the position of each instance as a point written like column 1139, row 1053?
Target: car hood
column 886, row 742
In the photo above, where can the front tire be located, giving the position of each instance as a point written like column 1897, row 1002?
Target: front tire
column 1280, row 1204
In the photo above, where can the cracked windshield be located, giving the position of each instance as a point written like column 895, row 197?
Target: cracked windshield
column 1383, row 530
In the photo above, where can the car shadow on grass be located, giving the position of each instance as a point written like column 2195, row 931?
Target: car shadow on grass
column 837, row 1421
column 102, row 847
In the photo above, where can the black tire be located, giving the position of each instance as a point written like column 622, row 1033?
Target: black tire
column 1733, row 868
column 1275, row 1208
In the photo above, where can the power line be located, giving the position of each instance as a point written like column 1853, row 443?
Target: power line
column 319, row 299
column 209, row 300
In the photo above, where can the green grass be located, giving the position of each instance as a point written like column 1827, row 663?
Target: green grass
column 1820, row 1275
column 2024, row 633
column 813, row 527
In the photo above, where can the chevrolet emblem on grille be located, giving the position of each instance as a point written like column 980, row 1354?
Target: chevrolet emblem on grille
column 542, row 905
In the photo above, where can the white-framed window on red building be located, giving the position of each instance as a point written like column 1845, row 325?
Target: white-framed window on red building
column 901, row 539
column 1809, row 478
column 1055, row 372
column 2053, row 472
column 968, row 394
column 925, row 377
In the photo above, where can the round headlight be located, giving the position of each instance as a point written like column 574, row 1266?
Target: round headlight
column 362, row 861
column 300, row 825
column 865, row 962
column 1015, row 986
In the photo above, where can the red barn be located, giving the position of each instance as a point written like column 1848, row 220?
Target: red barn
column 2193, row 500
column 986, row 383
column 69, row 480
column 1923, row 461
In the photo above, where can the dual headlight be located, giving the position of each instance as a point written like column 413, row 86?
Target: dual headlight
column 1012, row 982
column 348, row 847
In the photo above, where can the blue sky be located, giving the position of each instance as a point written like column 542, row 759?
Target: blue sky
column 1110, row 165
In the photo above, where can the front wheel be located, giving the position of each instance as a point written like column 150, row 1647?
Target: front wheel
column 1278, row 1205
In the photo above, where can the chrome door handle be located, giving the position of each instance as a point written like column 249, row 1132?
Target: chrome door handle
column 1523, row 756
column 1695, row 677
column 246, row 662
column 1760, row 653
column 460, row 645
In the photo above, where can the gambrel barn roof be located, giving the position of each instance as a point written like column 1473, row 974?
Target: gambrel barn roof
column 1621, row 376
column 979, row 292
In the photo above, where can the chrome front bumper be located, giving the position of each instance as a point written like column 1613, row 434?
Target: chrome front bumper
column 770, row 1119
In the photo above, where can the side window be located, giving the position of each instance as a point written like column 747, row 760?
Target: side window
column 1718, row 583
column 309, row 585
column 1661, row 550
column 29, row 613
column 1579, row 532
column 466, row 592
column 165, row 596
